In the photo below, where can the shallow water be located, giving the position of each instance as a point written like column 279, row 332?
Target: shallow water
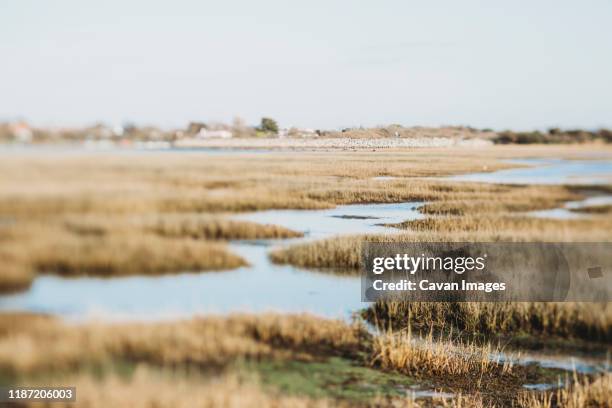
column 342, row 220
column 385, row 178
column 566, row 212
column 261, row 286
column 542, row 386
column 584, row 364
column 109, row 147
column 416, row 394
column 547, row 171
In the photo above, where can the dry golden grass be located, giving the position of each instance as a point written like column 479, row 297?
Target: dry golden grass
column 582, row 393
column 505, row 199
column 44, row 185
column 147, row 388
column 482, row 214
column 173, row 355
column 463, row 212
column 211, row 227
column 131, row 255
column 594, row 209
column 120, row 214
column 98, row 203
column 110, row 215
column 508, row 228
column 34, row 185
column 48, row 345
column 434, row 358
column 588, row 321
column 464, row 368
column 54, row 248
column 122, row 245
column 174, row 225
column 15, row 271
column 343, row 254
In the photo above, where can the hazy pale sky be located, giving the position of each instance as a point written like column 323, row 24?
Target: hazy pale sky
column 320, row 64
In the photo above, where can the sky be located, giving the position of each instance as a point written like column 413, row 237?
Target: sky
column 314, row 64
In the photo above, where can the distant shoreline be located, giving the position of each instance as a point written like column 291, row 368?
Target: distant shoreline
column 331, row 143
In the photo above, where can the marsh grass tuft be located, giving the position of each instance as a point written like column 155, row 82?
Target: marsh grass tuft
column 217, row 228
column 579, row 393
column 49, row 345
column 131, row 255
column 594, row 209
column 438, row 358
column 587, row 321
column 311, row 358
column 123, row 245
column 16, row 273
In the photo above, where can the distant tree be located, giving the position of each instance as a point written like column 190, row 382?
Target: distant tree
column 606, row 135
column 129, row 127
column 195, row 127
column 268, row 125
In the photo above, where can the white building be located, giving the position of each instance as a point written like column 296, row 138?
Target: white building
column 22, row 132
column 209, row 134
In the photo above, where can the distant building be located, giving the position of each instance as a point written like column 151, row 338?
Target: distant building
column 309, row 133
column 297, row 133
column 219, row 134
column 118, row 130
column 21, row 132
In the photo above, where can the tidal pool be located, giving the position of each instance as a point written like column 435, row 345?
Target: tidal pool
column 566, row 212
column 261, row 286
column 547, row 171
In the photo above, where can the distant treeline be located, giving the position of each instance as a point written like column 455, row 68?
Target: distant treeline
column 554, row 136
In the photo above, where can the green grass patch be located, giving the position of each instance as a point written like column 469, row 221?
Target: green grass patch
column 335, row 378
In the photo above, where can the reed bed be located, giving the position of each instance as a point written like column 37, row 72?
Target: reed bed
column 581, row 393
column 509, row 199
column 83, row 211
column 439, row 358
column 462, row 212
column 216, row 228
column 586, row 321
column 110, row 215
column 43, row 185
column 106, row 246
column 343, row 254
column 166, row 213
column 46, row 185
column 131, row 255
column 55, row 248
column 509, row 228
column 148, row 387
column 15, row 272
column 466, row 369
column 175, row 225
column 594, row 209
column 34, row 346
column 47, row 345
